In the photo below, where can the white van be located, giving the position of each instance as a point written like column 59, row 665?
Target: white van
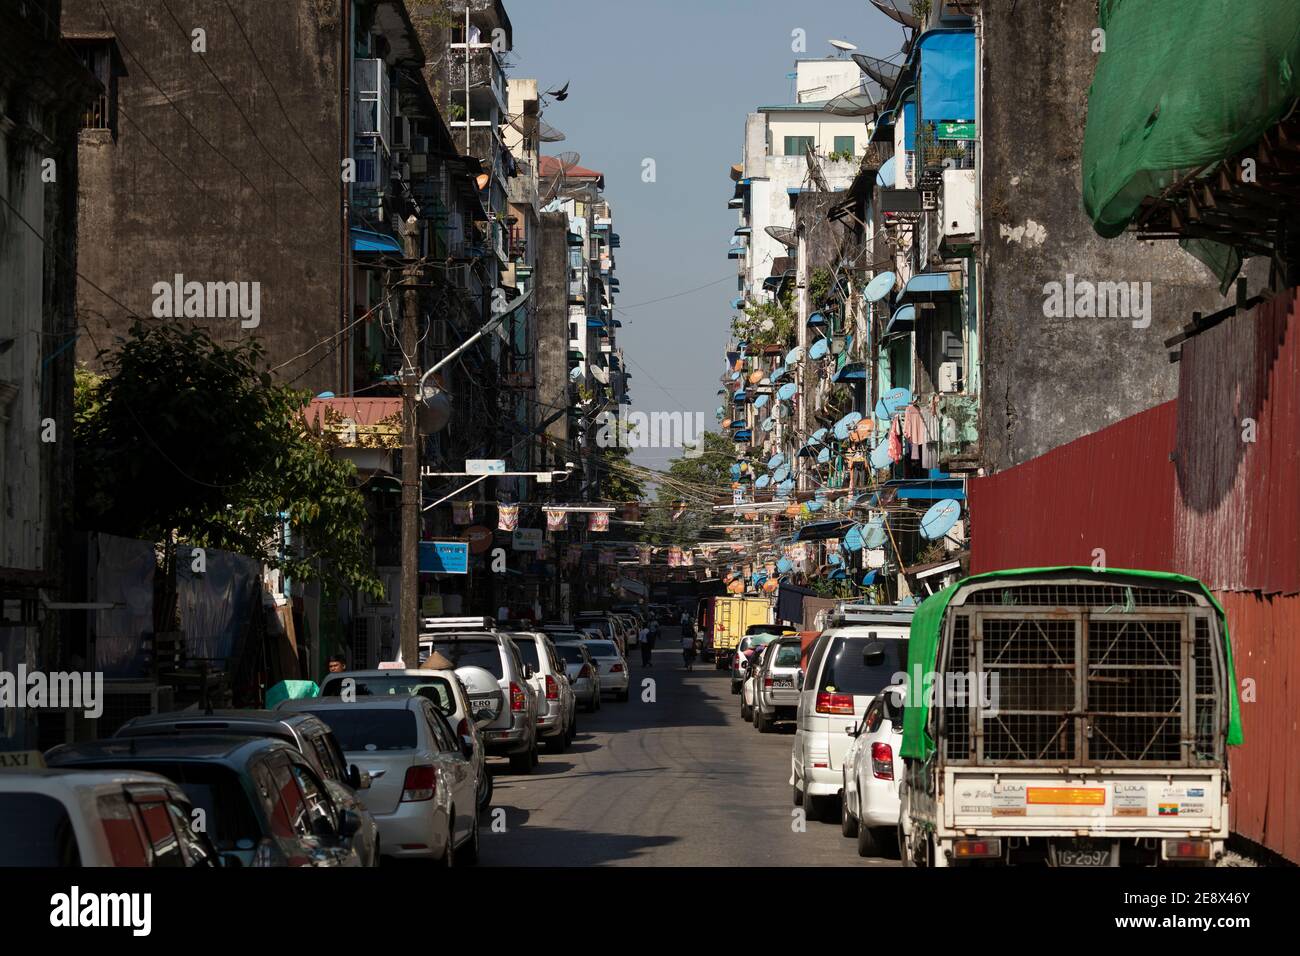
column 852, row 661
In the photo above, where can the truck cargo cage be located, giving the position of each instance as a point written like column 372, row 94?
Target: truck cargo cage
column 1087, row 674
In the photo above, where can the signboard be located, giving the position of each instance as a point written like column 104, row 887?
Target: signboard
column 444, row 557
column 527, row 539
column 962, row 129
column 485, row 466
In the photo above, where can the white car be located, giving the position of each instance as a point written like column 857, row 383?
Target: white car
column 72, row 818
column 611, row 666
column 444, row 688
column 557, row 712
column 850, row 664
column 748, row 667
column 775, row 694
column 583, row 671
column 422, row 788
column 872, row 767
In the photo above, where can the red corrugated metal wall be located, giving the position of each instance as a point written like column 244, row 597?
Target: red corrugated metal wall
column 1222, row 508
column 1112, row 490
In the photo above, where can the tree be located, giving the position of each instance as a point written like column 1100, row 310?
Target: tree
column 707, row 474
column 186, row 439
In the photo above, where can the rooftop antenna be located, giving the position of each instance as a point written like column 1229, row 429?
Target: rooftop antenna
column 783, row 235
column 565, row 162
column 843, row 46
column 881, row 71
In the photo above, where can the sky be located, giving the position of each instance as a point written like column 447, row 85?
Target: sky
column 672, row 81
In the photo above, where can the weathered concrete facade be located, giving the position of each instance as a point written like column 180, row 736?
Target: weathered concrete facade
column 224, row 167
column 553, row 329
column 1046, row 381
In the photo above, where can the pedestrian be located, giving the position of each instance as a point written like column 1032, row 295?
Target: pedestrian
column 686, row 620
column 688, row 649
column 643, row 638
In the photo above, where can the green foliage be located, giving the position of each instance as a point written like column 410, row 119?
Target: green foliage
column 819, row 286
column 921, row 10
column 765, row 323
column 184, row 437
column 708, row 473
column 617, row 483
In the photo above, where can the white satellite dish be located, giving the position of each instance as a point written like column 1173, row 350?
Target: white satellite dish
column 844, row 46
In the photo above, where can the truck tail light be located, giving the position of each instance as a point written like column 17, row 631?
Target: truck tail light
column 518, row 699
column 882, row 761
column 835, row 704
column 552, row 688
column 420, row 784
column 1187, row 849
column 976, row 849
column 767, row 681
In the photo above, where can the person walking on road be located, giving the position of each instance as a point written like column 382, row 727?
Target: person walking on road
column 643, row 638
column 688, row 649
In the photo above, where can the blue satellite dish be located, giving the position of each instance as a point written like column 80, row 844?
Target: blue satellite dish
column 769, row 423
column 879, row 457
column 786, row 486
column 763, row 482
column 760, row 401
column 784, row 566
column 735, row 376
column 818, row 437
column 838, row 575
column 794, row 355
column 786, row 391
column 939, row 520
column 735, row 471
column 782, row 473
column 776, row 461
column 880, row 286
column 893, row 402
column 781, row 411
column 844, row 424
column 823, row 456
column 816, row 505
column 778, row 373
column 873, row 535
column 575, row 374
column 868, row 578
column 853, row 538
column 819, row 349
column 834, row 558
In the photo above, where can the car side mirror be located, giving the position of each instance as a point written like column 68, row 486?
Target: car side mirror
column 852, row 731
column 349, row 824
column 358, row 779
column 467, row 747
column 528, row 672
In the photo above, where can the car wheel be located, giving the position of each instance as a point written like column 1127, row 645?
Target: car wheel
column 798, row 796
column 867, row 841
column 763, row 723
column 573, row 726
column 821, row 808
column 485, row 790
column 558, row 744
column 849, row 826
column 468, row 855
column 535, row 755
column 522, row 763
column 449, row 855
column 378, row 855
column 746, row 713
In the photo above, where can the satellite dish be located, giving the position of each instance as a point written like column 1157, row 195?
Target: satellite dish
column 763, row 482
column 844, row 46
column 892, row 402
column 546, row 133
column 853, row 538
column 819, row 349
column 939, row 520
column 880, row 456
column 768, row 424
column 778, row 374
column 787, row 391
column 776, row 461
column 794, row 355
column 784, row 235
column 786, row 486
column 882, row 71
column 784, row 566
column 781, row 411
column 782, row 474
column 817, row 437
column 434, row 411
column 823, row 456
column 760, row 401
column 816, row 505
column 844, row 424
column 880, row 286
column 873, row 535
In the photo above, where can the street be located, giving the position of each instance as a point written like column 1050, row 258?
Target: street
column 681, row 781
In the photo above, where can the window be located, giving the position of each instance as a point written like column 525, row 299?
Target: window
column 485, row 654
column 360, row 728
column 443, row 735
column 198, row 851
column 798, row 145
column 290, row 797
column 848, row 672
column 156, row 820
column 124, row 840
column 320, row 811
column 846, row 144
column 100, row 58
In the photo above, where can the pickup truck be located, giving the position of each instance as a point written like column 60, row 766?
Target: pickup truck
column 1068, row 716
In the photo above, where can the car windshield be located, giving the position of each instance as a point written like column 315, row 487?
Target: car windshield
column 571, row 653
column 602, row 649
column 846, row 671
column 787, row 655
column 484, row 654
column 371, row 729
column 35, row 831
column 436, row 689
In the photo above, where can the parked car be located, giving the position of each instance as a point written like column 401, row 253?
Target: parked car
column 583, row 671
column 869, row 810
column 262, row 802
column 423, row 792
column 606, row 626
column 310, row 735
column 513, row 733
column 853, row 660
column 612, row 667
column 740, row 661
column 776, row 694
column 445, row 689
column 75, row 818
column 631, row 628
column 557, row 711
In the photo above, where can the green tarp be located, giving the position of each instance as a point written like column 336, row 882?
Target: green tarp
column 927, row 628
column 1182, row 84
column 290, row 690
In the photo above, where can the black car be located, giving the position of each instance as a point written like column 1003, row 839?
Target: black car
column 259, row 800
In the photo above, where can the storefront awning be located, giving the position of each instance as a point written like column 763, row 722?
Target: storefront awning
column 821, row 530
column 902, row 320
column 926, row 284
column 852, row 372
column 363, row 240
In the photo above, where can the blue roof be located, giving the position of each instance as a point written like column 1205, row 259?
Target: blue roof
column 363, row 240
column 928, row 489
column 930, row 283
column 901, row 320
column 852, row 372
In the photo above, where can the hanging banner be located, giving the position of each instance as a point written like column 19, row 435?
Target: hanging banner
column 645, row 557
column 674, row 557
column 507, row 517
column 462, row 512
column 599, row 521
column 556, row 520
column 688, row 559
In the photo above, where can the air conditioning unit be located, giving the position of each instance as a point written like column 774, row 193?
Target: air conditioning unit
column 958, row 216
column 125, row 699
column 948, row 377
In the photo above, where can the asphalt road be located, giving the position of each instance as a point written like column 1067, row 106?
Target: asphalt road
column 678, row 780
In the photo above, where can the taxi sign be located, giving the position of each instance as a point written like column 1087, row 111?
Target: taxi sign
column 22, row 760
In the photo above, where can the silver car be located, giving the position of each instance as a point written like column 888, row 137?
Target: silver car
column 776, row 691
column 557, row 712
column 583, row 671
column 422, row 789
column 612, row 667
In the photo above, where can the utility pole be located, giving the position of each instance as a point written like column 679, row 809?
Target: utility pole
column 408, row 630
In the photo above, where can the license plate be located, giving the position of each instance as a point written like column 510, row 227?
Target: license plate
column 1071, row 857
column 782, row 682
